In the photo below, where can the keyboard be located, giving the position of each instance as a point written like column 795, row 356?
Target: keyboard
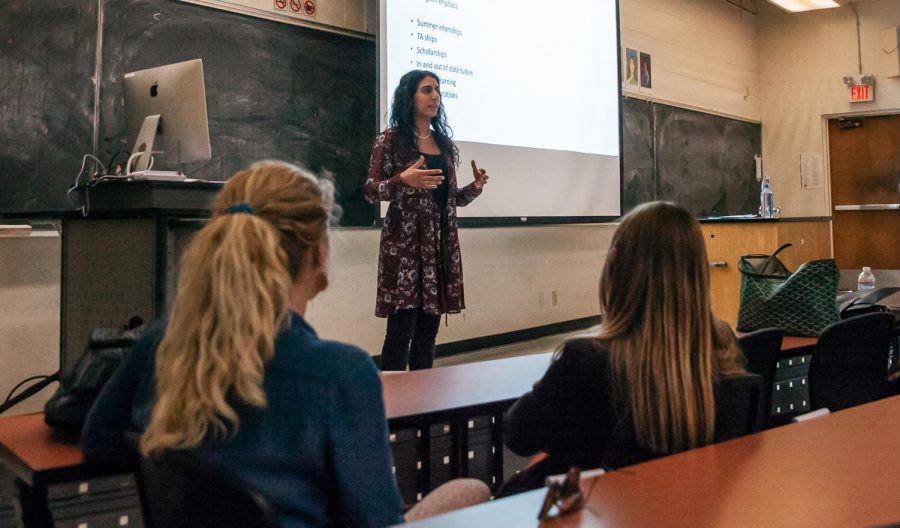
column 157, row 175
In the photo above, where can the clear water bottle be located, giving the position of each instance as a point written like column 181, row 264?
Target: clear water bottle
column 767, row 207
column 866, row 280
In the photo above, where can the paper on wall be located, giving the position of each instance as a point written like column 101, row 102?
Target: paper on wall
column 811, row 170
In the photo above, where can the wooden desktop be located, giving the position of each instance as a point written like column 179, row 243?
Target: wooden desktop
column 835, row 471
column 448, row 422
column 468, row 400
column 34, row 453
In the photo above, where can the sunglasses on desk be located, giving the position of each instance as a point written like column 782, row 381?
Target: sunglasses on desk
column 563, row 496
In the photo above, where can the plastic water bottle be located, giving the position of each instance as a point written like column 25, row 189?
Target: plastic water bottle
column 767, row 207
column 866, row 280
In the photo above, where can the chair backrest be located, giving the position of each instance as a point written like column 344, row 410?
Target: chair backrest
column 738, row 406
column 761, row 350
column 850, row 362
column 180, row 490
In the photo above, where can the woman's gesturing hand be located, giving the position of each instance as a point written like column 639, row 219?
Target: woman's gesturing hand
column 481, row 176
column 416, row 176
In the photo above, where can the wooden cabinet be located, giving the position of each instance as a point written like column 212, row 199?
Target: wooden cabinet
column 726, row 242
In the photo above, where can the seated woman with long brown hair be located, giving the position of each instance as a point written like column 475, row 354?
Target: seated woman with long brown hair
column 662, row 376
column 240, row 379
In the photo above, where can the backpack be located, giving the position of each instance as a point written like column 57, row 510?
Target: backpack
column 67, row 409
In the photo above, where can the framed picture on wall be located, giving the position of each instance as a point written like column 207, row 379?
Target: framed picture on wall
column 645, row 73
column 630, row 72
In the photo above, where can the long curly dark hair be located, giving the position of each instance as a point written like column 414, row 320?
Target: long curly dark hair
column 402, row 110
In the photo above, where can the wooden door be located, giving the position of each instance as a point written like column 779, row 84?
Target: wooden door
column 865, row 170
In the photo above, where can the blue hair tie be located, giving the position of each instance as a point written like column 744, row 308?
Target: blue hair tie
column 240, row 208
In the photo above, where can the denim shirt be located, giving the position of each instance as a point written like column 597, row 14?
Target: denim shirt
column 318, row 450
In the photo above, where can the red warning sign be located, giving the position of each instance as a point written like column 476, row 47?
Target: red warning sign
column 295, row 6
column 309, row 7
column 280, row 4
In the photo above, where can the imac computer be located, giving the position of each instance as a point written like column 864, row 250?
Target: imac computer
column 165, row 110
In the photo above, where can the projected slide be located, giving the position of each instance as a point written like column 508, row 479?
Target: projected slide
column 531, row 91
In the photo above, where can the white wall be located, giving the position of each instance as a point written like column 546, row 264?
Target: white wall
column 29, row 313
column 510, row 275
column 704, row 52
column 357, row 17
column 803, row 58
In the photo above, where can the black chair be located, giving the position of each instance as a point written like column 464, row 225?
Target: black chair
column 180, row 491
column 850, row 362
column 739, row 406
column 761, row 350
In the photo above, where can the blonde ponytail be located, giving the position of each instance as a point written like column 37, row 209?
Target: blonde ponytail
column 233, row 296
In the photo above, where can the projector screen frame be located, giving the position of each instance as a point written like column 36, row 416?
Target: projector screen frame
column 382, row 97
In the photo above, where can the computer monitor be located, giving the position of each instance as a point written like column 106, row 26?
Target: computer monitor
column 165, row 109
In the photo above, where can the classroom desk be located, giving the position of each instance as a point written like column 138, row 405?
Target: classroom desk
column 839, row 470
column 791, row 343
column 419, row 393
column 446, row 422
column 32, row 452
column 46, row 473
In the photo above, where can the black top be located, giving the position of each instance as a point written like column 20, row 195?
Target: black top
column 573, row 415
column 438, row 161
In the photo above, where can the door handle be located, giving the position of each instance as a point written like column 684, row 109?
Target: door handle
column 718, row 264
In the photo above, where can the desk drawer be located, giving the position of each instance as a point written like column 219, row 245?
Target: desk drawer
column 443, row 465
column 408, row 449
column 484, row 450
column 790, row 396
column 790, row 393
column 124, row 518
column 92, row 486
column 10, row 516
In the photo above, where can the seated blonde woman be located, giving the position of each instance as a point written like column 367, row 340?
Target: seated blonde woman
column 661, row 377
column 239, row 377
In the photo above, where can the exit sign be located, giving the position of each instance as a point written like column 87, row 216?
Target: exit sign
column 861, row 93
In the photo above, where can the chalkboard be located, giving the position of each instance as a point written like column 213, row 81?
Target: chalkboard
column 280, row 91
column 705, row 162
column 638, row 169
column 273, row 90
column 47, row 50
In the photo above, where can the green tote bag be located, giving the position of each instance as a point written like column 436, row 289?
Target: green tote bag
column 801, row 303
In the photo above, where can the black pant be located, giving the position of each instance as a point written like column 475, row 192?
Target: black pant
column 409, row 338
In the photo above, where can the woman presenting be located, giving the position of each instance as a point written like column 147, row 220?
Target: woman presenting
column 413, row 166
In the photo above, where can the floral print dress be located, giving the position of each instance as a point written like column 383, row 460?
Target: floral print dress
column 419, row 263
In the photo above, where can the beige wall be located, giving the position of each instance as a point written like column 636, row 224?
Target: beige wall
column 510, row 276
column 29, row 313
column 803, row 58
column 704, row 53
column 354, row 17
column 511, row 273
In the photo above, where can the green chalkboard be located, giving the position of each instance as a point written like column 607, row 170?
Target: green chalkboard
column 276, row 90
column 273, row 90
column 47, row 51
column 700, row 160
column 705, row 161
